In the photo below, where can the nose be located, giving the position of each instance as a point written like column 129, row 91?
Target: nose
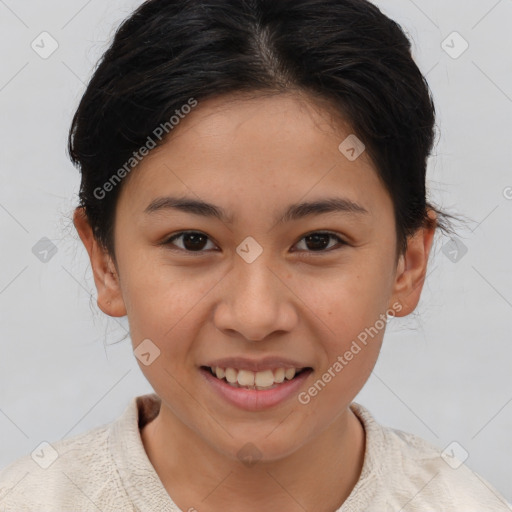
column 255, row 301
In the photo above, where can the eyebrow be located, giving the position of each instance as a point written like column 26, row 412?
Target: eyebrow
column 293, row 212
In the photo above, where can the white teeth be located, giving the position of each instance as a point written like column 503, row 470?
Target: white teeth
column 289, row 373
column 245, row 378
column 260, row 380
column 231, row 375
column 263, row 379
column 279, row 375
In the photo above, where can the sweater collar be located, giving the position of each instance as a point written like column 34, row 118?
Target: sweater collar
column 139, row 478
column 145, row 489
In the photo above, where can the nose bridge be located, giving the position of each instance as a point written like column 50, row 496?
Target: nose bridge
column 255, row 302
column 255, row 281
column 251, row 267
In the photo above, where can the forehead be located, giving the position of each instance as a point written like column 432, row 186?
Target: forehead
column 252, row 148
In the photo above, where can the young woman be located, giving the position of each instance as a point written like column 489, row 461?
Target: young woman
column 253, row 199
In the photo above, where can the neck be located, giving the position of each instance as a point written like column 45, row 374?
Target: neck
column 319, row 476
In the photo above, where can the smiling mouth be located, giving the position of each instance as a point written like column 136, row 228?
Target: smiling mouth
column 267, row 379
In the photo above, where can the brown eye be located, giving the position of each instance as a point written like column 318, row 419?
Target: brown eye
column 195, row 241
column 192, row 241
column 319, row 241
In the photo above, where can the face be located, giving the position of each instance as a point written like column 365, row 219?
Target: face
column 256, row 281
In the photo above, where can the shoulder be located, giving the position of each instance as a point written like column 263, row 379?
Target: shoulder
column 71, row 474
column 411, row 474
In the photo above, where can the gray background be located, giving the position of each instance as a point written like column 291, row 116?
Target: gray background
column 444, row 372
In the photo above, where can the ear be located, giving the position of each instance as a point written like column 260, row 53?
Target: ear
column 412, row 268
column 110, row 298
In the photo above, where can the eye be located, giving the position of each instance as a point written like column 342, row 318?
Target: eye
column 195, row 241
column 319, row 241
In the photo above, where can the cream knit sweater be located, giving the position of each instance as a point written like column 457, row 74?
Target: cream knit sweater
column 106, row 469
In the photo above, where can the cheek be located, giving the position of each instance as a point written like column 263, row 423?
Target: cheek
column 344, row 300
column 165, row 304
column 350, row 334
column 348, row 307
column 168, row 310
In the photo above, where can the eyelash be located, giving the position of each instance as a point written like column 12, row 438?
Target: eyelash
column 168, row 242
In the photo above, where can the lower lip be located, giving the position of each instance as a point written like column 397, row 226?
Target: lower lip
column 253, row 399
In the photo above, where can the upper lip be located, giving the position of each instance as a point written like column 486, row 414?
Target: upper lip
column 256, row 365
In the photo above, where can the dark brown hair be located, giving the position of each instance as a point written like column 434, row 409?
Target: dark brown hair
column 346, row 52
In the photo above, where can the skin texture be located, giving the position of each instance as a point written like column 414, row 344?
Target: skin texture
column 253, row 157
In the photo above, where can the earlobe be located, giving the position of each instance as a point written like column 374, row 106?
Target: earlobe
column 110, row 298
column 412, row 268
